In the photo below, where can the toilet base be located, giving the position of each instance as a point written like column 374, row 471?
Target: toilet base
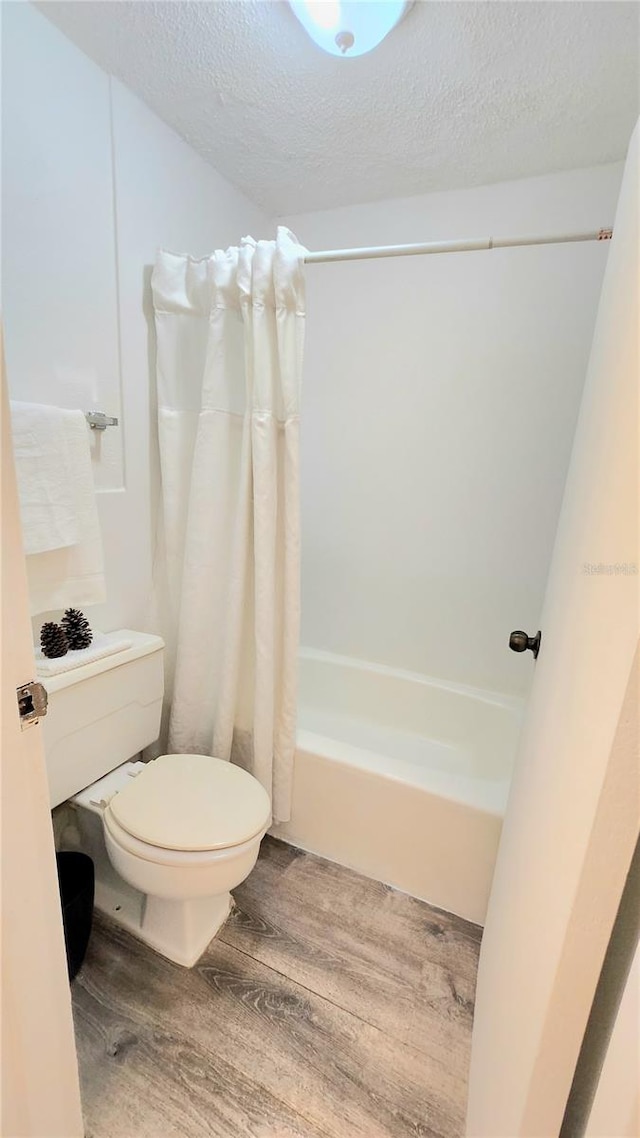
column 179, row 930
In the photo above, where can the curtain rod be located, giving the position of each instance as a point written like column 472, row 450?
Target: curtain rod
column 471, row 245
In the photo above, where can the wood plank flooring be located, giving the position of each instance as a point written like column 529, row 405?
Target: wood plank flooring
column 329, row 1006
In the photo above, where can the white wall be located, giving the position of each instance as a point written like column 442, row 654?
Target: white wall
column 93, row 183
column 440, row 400
column 58, row 269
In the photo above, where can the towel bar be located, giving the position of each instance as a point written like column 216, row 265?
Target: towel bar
column 98, row 421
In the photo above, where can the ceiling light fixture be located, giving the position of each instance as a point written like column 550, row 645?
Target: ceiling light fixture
column 349, row 27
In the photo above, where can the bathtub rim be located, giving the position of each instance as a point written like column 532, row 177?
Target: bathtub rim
column 511, row 703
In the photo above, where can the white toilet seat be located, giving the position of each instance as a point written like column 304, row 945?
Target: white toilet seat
column 188, row 805
column 182, row 859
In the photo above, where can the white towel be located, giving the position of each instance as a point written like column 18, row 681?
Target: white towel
column 45, row 478
column 72, row 574
column 103, row 644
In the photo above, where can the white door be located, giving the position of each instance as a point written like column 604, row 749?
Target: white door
column 573, row 813
column 40, row 1093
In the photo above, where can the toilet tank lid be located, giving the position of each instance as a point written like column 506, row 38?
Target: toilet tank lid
column 142, row 644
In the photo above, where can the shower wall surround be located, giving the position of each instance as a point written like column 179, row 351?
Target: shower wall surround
column 93, row 183
column 439, row 404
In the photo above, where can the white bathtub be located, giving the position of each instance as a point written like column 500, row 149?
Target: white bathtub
column 402, row 777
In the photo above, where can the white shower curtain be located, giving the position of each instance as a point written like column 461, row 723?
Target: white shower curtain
column 230, row 332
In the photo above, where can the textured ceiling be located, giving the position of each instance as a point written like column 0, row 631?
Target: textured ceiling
column 459, row 94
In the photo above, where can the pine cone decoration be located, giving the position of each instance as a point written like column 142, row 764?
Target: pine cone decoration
column 76, row 627
column 53, row 640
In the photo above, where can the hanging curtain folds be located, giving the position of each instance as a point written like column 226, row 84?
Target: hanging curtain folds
column 230, row 333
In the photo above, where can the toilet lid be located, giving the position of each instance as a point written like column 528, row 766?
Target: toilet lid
column 192, row 802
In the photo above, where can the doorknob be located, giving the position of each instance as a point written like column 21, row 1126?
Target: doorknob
column 520, row 642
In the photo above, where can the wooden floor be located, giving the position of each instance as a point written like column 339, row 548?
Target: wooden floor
column 329, row 1006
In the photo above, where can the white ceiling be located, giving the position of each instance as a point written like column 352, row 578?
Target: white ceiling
column 459, row 94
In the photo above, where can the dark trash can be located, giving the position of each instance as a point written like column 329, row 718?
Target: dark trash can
column 76, row 880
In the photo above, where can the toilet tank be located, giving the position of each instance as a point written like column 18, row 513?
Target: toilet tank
column 102, row 714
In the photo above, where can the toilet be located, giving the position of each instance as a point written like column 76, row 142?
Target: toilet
column 169, row 838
